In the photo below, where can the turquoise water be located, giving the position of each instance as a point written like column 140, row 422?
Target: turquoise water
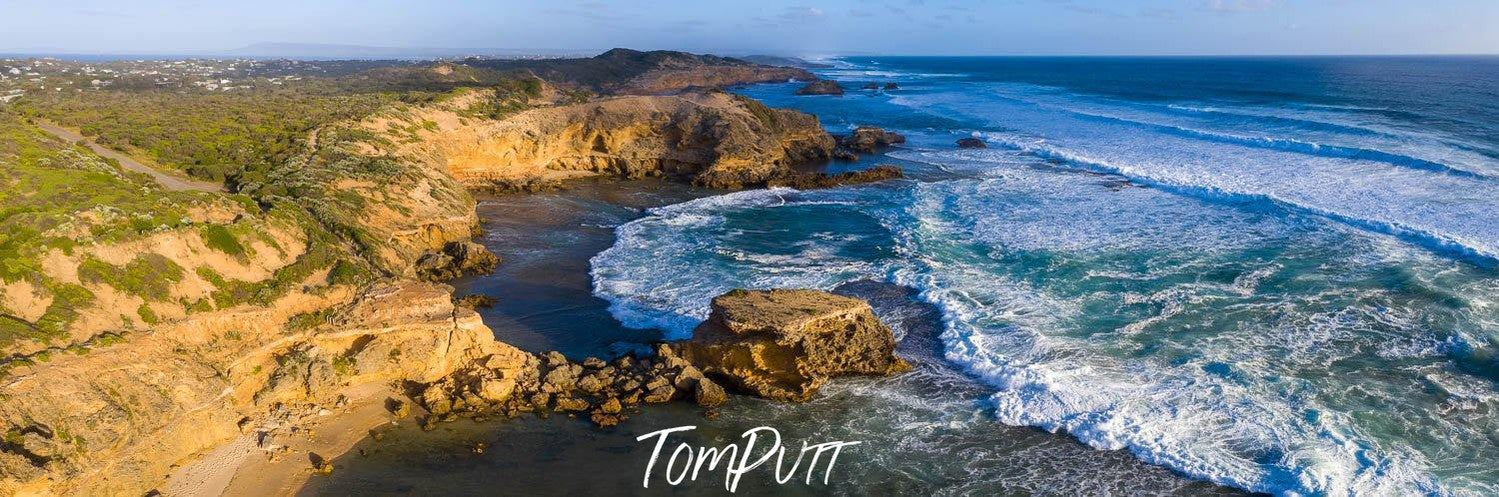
column 1273, row 274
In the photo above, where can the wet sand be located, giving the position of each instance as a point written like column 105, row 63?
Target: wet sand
column 929, row 432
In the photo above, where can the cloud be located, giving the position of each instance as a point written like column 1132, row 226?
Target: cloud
column 801, row 14
column 1232, row 6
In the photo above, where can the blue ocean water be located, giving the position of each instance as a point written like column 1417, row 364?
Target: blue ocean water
column 1276, row 274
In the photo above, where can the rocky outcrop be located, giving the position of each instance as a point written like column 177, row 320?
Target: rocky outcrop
column 971, row 142
column 869, row 139
column 457, row 258
column 785, row 344
column 821, row 87
column 808, row 181
column 605, row 392
column 776, row 344
column 891, row 86
column 712, row 139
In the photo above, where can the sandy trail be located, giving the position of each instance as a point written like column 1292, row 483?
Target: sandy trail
column 167, row 181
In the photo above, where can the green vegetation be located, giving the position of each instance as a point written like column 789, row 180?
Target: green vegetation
column 149, row 275
column 209, row 136
column 218, row 237
column 509, row 97
column 762, row 112
column 147, row 315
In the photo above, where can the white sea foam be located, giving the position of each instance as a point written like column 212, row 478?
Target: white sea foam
column 1217, row 413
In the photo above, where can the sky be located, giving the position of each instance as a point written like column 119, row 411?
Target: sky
column 786, row 27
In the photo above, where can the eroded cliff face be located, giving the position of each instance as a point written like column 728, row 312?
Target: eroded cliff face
column 114, row 421
column 713, row 139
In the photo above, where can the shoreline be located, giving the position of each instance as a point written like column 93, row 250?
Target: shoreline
column 407, row 454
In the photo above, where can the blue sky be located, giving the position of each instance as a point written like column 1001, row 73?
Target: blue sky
column 803, row 27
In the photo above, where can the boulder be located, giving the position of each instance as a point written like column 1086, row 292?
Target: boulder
column 709, row 394
column 868, row 139
column 821, row 87
column 971, row 142
column 892, row 86
column 475, row 301
column 785, row 344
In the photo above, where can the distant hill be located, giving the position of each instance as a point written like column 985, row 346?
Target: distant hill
column 622, row 70
column 776, row 60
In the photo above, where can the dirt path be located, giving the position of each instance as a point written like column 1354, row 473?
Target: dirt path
column 170, row 182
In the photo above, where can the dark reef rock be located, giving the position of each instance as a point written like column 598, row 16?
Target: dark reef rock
column 809, row 181
column 892, row 86
column 972, row 143
column 871, row 86
column 454, row 260
column 821, row 87
column 868, row 139
column 476, row 301
column 844, row 154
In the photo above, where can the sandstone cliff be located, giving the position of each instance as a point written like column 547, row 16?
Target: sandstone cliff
column 713, row 139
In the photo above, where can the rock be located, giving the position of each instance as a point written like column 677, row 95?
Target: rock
column 871, row 86
column 808, row 181
column 594, row 363
column 435, row 398
column 971, row 142
column 611, row 406
column 660, row 394
column 478, row 448
column 322, row 466
column 709, row 394
column 472, row 258
column 398, row 407
column 687, row 378
column 571, row 404
column 785, row 344
column 540, row 400
column 892, row 86
column 821, row 87
column 625, row 362
column 476, row 301
column 868, row 139
column 496, row 390
column 604, row 420
column 454, row 260
column 844, row 154
column 593, row 383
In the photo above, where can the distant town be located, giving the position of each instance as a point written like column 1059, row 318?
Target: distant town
column 20, row 76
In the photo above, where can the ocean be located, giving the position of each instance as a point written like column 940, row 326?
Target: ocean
column 1274, row 274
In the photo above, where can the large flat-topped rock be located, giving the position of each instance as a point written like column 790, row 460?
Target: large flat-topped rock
column 785, row 344
column 784, row 312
